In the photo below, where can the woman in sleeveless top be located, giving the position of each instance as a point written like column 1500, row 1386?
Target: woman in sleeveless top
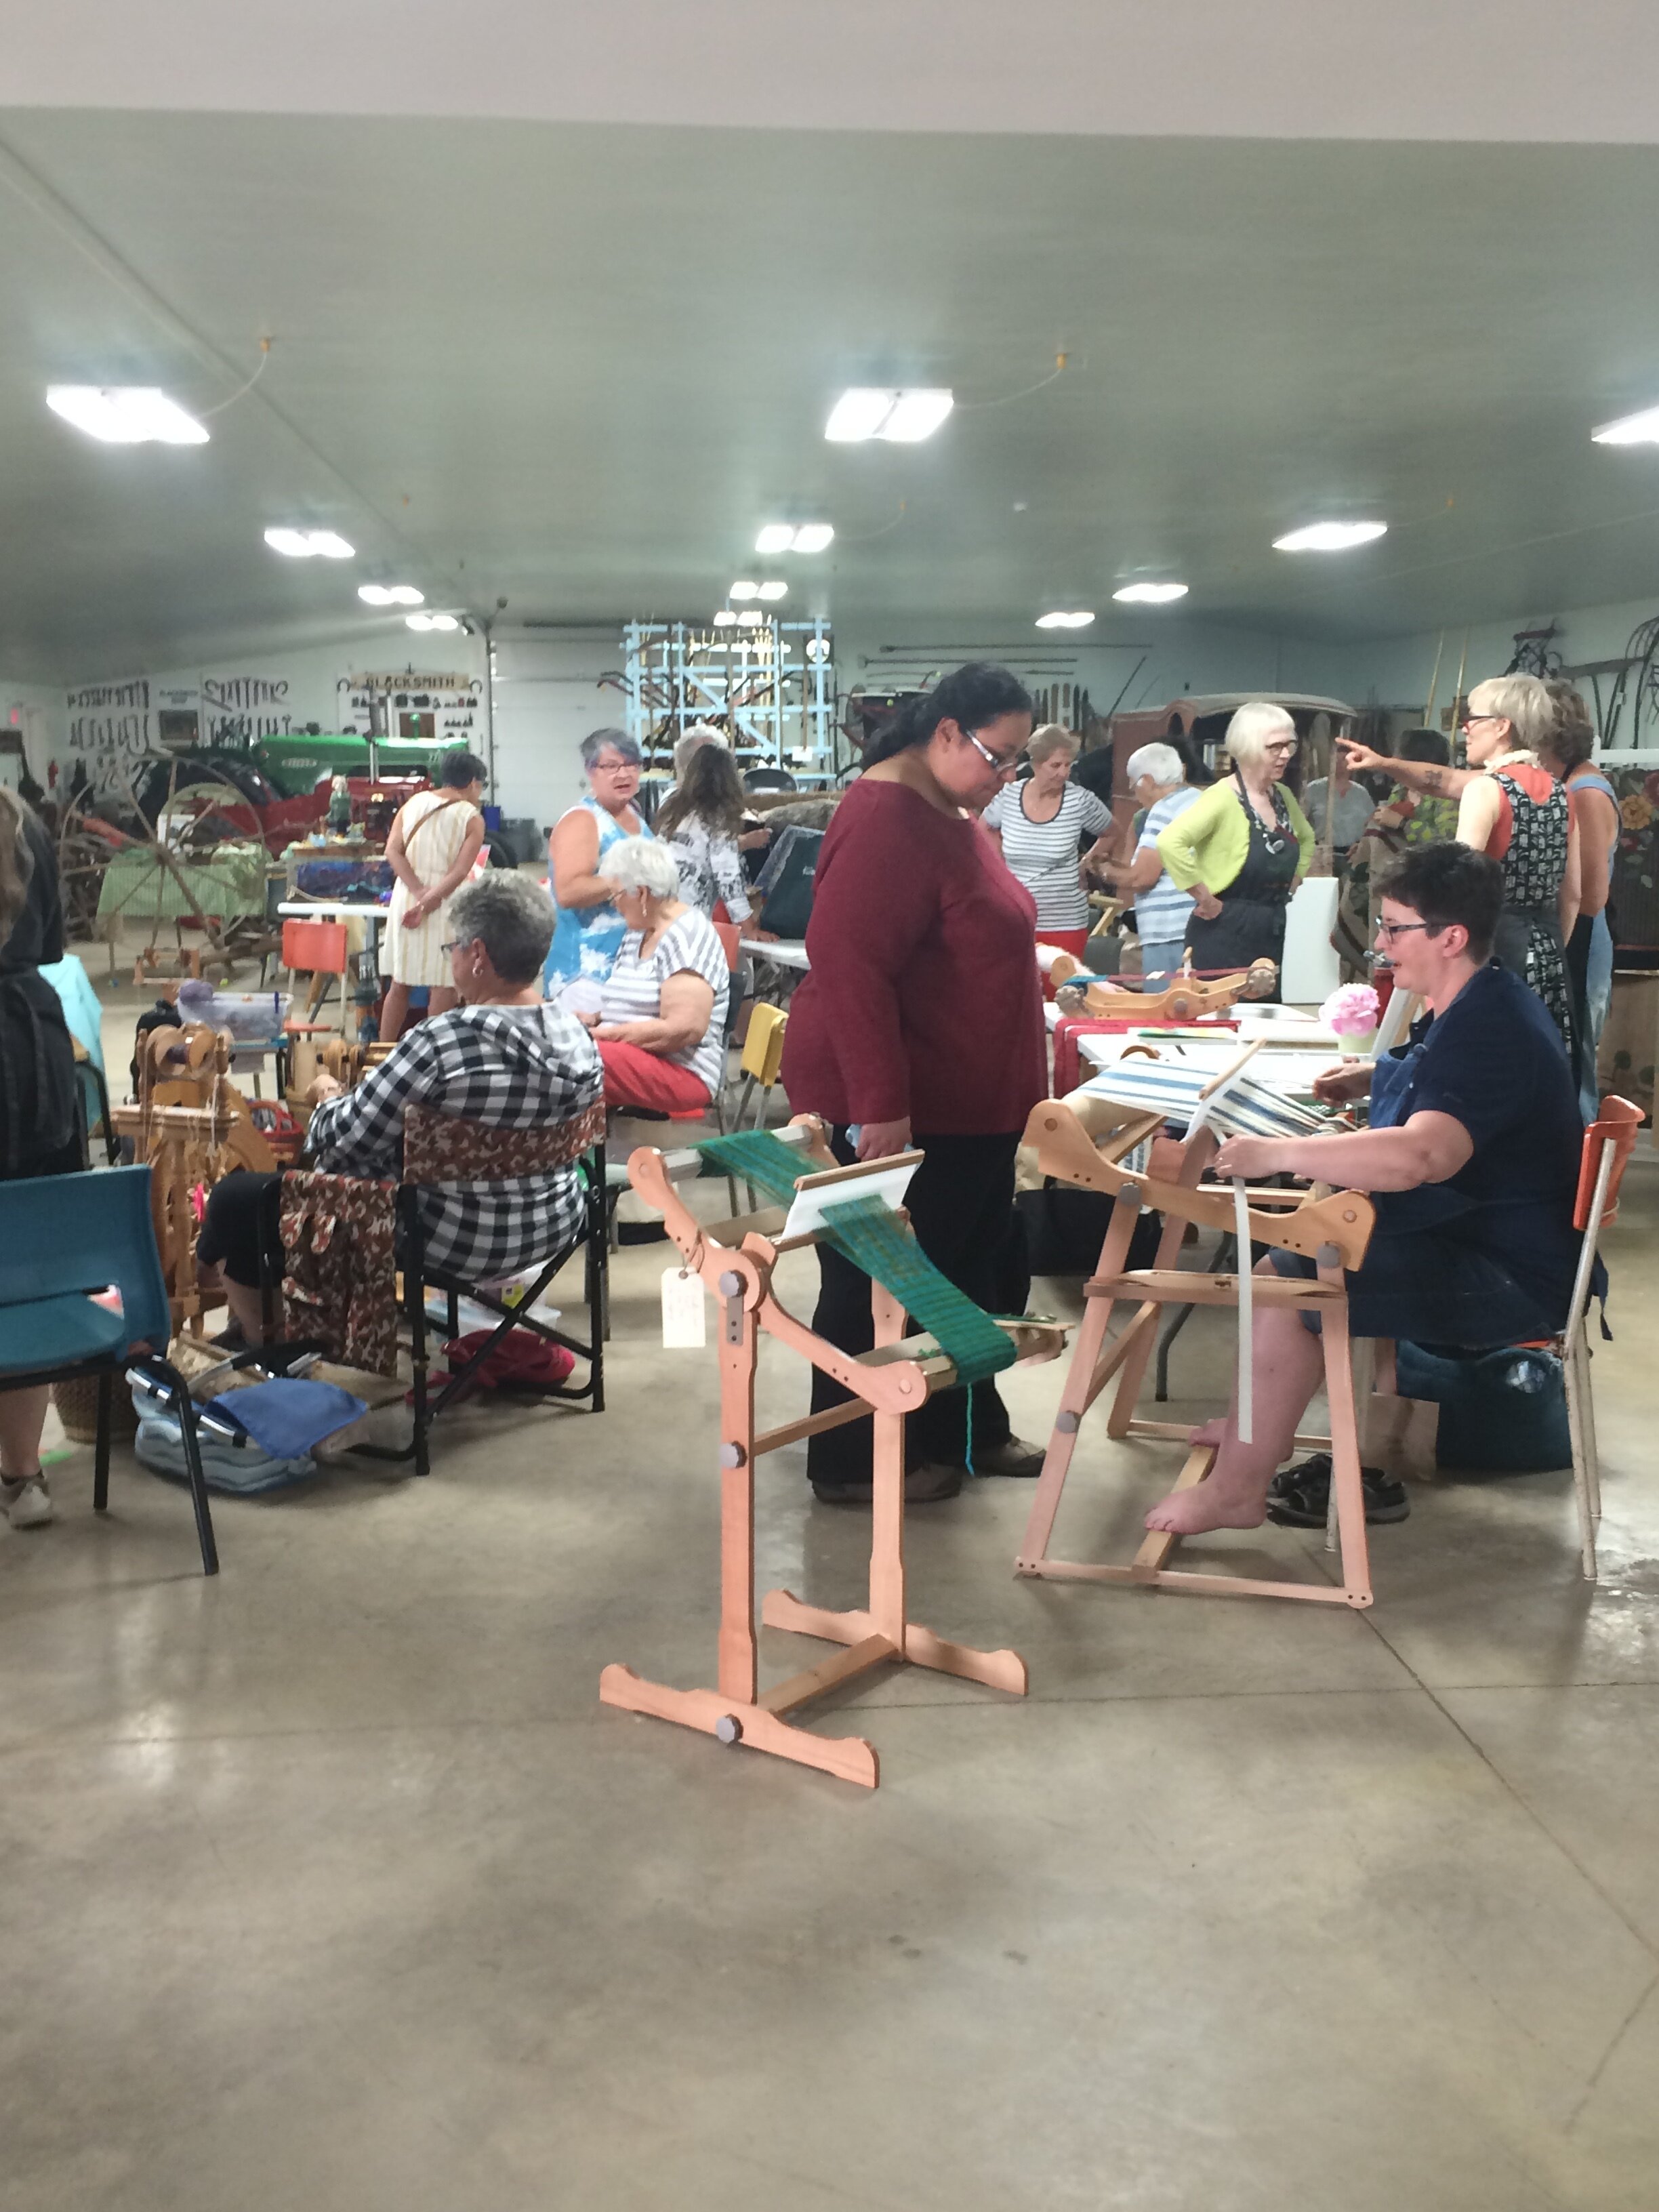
column 432, row 847
column 590, row 931
column 1508, row 804
column 1569, row 751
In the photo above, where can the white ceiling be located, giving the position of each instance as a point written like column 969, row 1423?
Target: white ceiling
column 1524, row 70
column 575, row 364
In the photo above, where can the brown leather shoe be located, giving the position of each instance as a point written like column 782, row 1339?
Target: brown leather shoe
column 923, row 1486
column 1015, row 1456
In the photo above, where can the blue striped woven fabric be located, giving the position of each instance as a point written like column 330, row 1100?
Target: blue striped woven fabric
column 1247, row 1108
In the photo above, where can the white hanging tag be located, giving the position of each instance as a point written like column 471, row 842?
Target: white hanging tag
column 685, row 1319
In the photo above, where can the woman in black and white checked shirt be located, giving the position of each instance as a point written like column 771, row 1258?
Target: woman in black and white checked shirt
column 505, row 1057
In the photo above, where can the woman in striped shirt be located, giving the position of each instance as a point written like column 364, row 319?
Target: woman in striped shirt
column 1039, row 824
column 660, row 1026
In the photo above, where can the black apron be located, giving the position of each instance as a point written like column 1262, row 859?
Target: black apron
column 1251, row 923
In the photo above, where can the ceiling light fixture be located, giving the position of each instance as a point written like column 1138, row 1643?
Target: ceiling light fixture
column 725, row 618
column 1150, row 595
column 750, row 617
column 391, row 595
column 303, row 544
column 432, row 621
column 903, row 417
column 125, row 414
column 1641, row 430
column 746, row 590
column 772, row 591
column 1080, row 620
column 794, row 538
column 1329, row 536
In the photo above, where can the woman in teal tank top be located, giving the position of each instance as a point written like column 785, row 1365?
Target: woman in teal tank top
column 590, row 931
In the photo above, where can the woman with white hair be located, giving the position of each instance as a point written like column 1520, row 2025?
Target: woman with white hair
column 660, row 1026
column 1039, row 824
column 1242, row 846
column 1157, row 776
column 1510, row 806
column 590, row 931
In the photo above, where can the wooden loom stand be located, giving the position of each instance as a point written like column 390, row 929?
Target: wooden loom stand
column 1086, row 1148
column 735, row 1258
column 190, row 1125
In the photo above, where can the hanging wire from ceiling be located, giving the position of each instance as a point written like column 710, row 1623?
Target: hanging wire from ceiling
column 1062, row 362
column 205, row 414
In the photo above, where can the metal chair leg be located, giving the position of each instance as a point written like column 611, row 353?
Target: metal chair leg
column 184, row 1406
column 101, row 1465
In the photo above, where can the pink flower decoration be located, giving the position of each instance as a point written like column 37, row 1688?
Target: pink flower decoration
column 1351, row 1012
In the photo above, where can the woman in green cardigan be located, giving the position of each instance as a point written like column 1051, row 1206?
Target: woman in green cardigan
column 1241, row 849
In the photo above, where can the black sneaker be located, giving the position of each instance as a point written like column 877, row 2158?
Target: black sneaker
column 923, row 1486
column 1012, row 1456
column 1300, row 1498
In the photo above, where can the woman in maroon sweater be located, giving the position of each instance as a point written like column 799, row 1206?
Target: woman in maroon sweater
column 921, row 1024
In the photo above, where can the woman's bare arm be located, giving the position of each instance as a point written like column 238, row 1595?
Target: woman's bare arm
column 1572, row 880
column 1478, row 811
column 685, row 1009
column 573, row 856
column 1598, row 829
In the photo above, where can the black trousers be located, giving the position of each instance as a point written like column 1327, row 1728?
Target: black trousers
column 960, row 1202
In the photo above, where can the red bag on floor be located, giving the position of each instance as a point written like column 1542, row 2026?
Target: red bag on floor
column 522, row 1361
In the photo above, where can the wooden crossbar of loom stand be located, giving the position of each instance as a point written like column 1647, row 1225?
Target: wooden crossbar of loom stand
column 736, row 1261
column 1085, row 1145
column 1183, row 1000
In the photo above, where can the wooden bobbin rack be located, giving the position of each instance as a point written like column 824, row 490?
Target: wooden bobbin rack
column 736, row 1260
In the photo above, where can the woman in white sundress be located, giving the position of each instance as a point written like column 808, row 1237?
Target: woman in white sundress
column 432, row 847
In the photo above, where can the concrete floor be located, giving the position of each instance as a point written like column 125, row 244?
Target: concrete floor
column 331, row 1883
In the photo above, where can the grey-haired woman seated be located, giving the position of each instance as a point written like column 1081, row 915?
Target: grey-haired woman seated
column 505, row 1056
column 590, row 931
column 660, row 1023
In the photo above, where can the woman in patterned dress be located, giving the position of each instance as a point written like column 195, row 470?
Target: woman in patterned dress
column 590, row 931
column 432, row 847
column 1508, row 804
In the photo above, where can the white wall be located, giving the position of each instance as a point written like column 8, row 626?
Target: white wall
column 548, row 697
column 1394, row 671
column 36, row 715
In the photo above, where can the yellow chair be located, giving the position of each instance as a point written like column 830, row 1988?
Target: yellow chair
column 763, row 1057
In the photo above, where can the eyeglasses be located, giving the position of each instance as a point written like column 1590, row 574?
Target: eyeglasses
column 995, row 760
column 613, row 767
column 454, row 946
column 1393, row 929
column 1469, row 720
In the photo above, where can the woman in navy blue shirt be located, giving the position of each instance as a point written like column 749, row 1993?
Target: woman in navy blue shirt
column 1472, row 1159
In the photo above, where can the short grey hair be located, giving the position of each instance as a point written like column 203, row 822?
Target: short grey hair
column 1523, row 701
column 609, row 741
column 699, row 735
column 642, row 864
column 1160, row 762
column 1052, row 738
column 1250, row 728
column 512, row 917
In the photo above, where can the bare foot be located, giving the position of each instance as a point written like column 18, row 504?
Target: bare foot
column 1209, row 1433
column 1206, row 1505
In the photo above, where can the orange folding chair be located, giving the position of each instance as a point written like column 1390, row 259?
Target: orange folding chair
column 318, row 948
column 1608, row 1143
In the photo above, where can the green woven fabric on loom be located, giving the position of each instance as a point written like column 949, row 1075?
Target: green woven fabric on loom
column 868, row 1233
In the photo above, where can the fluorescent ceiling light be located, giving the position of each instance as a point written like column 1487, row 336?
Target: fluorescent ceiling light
column 791, row 537
column 125, row 414
column 1080, row 620
column 772, row 591
column 751, row 616
column 743, row 591
column 391, row 595
column 432, row 621
column 1641, row 430
column 901, row 416
column 725, row 618
column 302, row 544
column 1329, row 536
column 1150, row 595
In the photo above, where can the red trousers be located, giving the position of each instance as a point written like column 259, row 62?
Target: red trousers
column 645, row 1081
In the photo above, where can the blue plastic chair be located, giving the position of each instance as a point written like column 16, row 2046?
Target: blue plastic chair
column 61, row 1237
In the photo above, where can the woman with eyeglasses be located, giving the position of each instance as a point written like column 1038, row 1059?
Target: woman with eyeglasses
column 1040, row 823
column 1510, row 806
column 590, row 930
column 921, row 1024
column 1241, row 849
